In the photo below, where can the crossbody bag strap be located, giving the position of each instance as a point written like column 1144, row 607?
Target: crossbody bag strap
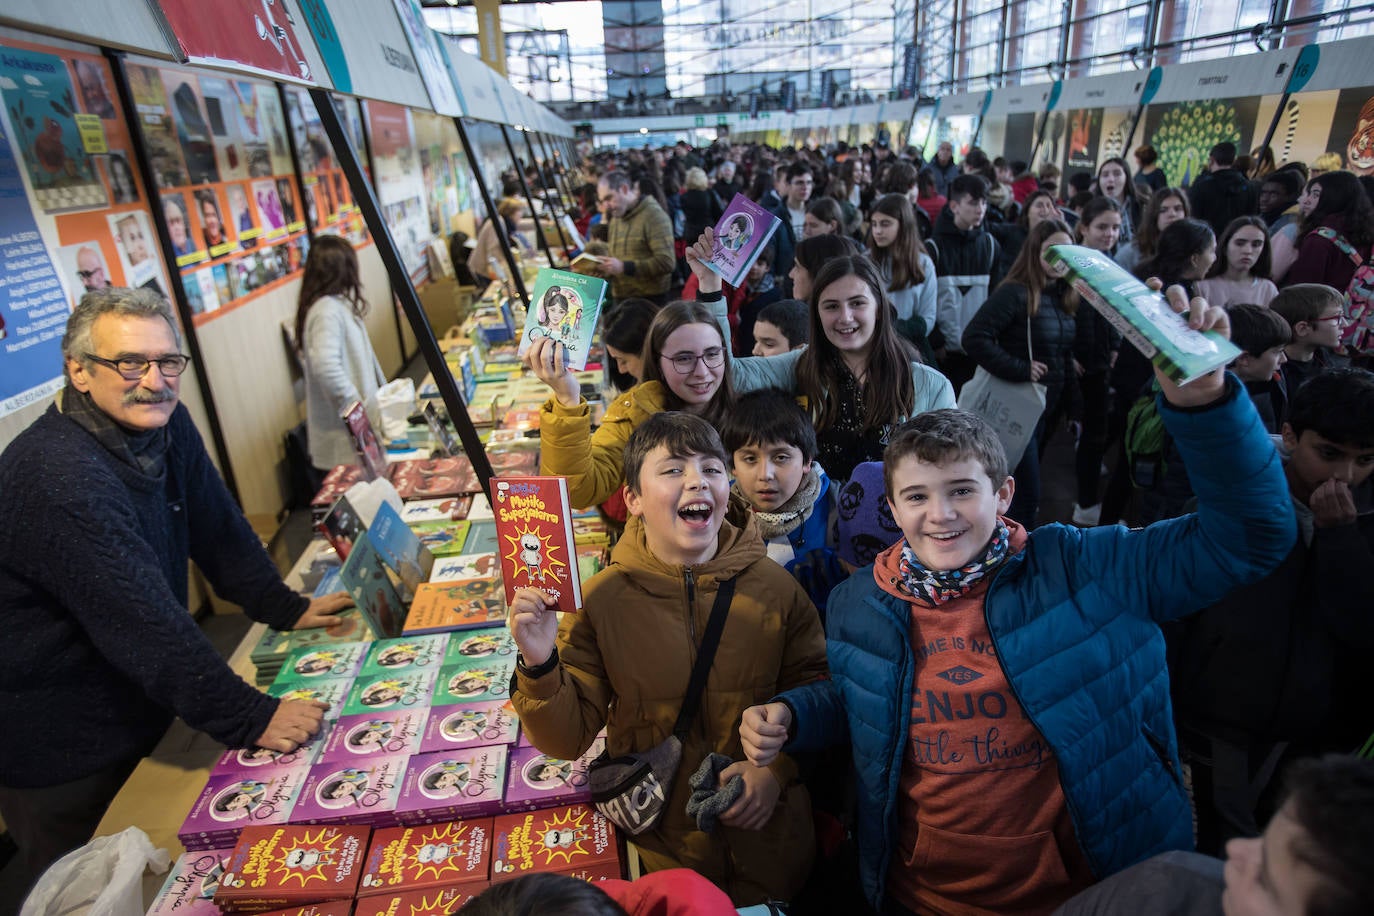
column 725, row 593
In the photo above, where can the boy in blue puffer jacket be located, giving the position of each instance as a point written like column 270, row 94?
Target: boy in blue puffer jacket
column 772, row 447
column 1004, row 692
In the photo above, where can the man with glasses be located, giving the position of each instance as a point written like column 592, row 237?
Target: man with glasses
column 641, row 261
column 106, row 497
column 90, row 269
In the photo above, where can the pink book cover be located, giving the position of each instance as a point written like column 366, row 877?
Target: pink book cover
column 357, row 739
column 744, row 228
column 245, row 761
column 488, row 642
column 426, row 856
column 361, row 792
column 452, row 785
column 230, row 802
column 470, row 725
column 536, row 780
column 554, row 839
column 365, row 441
column 406, row 653
column 191, row 884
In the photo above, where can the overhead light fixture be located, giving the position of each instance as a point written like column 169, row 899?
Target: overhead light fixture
column 644, row 130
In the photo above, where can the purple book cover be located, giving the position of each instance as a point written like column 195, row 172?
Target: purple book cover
column 393, row 690
column 406, row 654
column 452, row 785
column 331, row 690
column 310, row 663
column 358, row 739
column 362, row 792
column 475, row 645
column 228, row 803
column 536, row 780
column 191, row 884
column 469, row 725
column 479, row 679
column 245, row 761
column 744, row 228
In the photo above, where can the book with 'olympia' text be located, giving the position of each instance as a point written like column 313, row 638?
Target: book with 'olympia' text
column 740, row 234
column 564, row 307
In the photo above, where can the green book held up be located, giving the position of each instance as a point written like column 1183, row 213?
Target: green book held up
column 1142, row 315
column 564, row 306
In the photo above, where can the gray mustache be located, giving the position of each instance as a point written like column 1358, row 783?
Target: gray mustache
column 140, row 396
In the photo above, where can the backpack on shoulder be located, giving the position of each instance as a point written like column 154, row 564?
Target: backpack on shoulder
column 1146, row 440
column 1359, row 296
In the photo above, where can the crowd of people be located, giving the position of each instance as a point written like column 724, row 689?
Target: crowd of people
column 948, row 706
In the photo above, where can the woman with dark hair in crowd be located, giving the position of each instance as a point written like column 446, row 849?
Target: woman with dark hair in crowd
column 823, row 216
column 811, row 255
column 1114, row 182
column 1038, row 207
column 1166, row 206
column 1240, row 274
column 1337, row 219
column 1150, row 176
column 895, row 245
column 624, row 329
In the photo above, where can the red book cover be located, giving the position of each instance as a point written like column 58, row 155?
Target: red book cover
column 291, row 866
column 329, row 908
column 535, row 537
column 336, row 484
column 427, row 857
column 555, row 839
column 433, row 902
column 601, row 871
column 432, row 478
column 458, row 605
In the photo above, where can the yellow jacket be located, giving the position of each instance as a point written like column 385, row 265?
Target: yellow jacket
column 593, row 462
column 625, row 661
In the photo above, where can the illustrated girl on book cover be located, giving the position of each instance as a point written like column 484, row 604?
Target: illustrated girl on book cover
column 238, row 801
column 547, row 774
column 445, row 779
column 467, row 684
column 370, row 736
column 342, row 788
column 738, row 233
column 399, row 655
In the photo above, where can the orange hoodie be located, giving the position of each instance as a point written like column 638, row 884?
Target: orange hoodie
column 983, row 827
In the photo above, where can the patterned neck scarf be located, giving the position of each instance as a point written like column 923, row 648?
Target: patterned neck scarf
column 790, row 515
column 934, row 587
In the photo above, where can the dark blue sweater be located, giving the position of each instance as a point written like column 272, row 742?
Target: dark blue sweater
column 99, row 651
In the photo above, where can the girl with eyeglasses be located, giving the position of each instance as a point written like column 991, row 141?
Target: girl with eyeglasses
column 686, row 366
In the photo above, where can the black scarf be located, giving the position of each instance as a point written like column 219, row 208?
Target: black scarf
column 145, row 452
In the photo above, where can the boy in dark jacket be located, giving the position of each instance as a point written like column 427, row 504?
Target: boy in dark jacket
column 1255, row 670
column 966, row 264
column 1005, row 693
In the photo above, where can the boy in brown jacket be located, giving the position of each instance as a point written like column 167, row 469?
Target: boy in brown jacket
column 625, row 659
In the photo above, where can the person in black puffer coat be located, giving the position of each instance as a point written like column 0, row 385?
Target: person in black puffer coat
column 1223, row 192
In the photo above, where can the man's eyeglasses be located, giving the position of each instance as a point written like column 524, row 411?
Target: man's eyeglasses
column 684, row 363
column 133, row 368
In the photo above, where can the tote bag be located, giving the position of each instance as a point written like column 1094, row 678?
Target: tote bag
column 1011, row 408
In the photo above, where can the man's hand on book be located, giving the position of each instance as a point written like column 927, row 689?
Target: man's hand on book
column 324, row 611
column 763, row 731
column 294, row 723
column 548, row 359
column 534, row 625
column 1201, row 317
column 698, row 253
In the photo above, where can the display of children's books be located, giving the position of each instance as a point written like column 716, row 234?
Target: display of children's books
column 481, row 511
column 330, row 690
column 479, row 644
column 482, row 565
column 536, row 780
column 336, row 484
column 564, row 307
column 275, row 645
column 245, row 761
column 443, row 901
column 191, row 884
column 427, row 857
column 376, row 734
column 453, row 785
column 352, row 792
column 443, row 539
column 456, row 605
column 1142, row 315
column 740, row 234
column 291, row 866
column 231, row 802
column 315, row 662
column 450, row 508
column 554, row 839
column 482, row 536
column 371, row 456
column 406, row 653
column 342, row 526
column 514, row 462
column 365, row 576
column 393, row 690
column 445, row 440
column 433, row 478
column 481, row 679
column 400, row 547
column 470, row 725
column 328, row 908
column 534, row 528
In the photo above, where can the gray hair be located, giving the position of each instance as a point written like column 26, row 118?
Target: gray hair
column 617, row 180
column 113, row 300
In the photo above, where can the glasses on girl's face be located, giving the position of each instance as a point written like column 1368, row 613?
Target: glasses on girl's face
column 684, row 363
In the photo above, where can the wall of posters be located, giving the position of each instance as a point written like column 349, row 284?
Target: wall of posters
column 227, row 191
column 325, row 194
column 400, row 185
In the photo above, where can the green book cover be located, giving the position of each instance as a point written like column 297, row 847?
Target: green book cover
column 1142, row 315
column 564, row 306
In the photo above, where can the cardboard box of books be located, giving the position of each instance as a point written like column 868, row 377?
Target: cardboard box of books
column 405, row 653
column 231, row 802
column 536, row 780
column 292, row 866
column 453, row 785
column 554, row 839
column 357, row 739
column 348, row 792
column 427, row 857
column 191, row 884
column 470, row 725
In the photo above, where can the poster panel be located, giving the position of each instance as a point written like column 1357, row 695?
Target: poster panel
column 247, row 35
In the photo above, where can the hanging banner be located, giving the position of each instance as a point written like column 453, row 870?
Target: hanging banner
column 33, row 308
column 241, row 35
